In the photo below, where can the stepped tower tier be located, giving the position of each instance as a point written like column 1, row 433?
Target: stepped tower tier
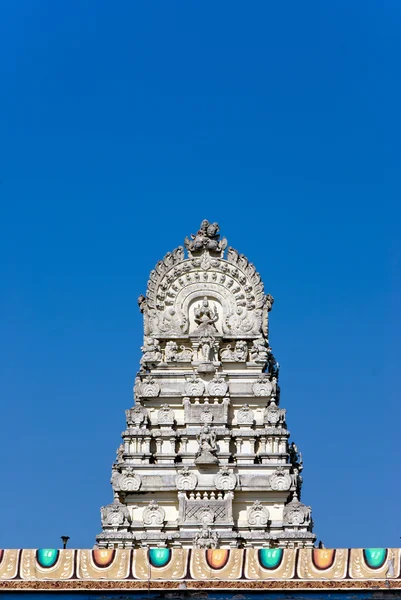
column 206, row 459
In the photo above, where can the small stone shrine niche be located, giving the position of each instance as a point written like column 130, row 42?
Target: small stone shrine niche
column 206, row 460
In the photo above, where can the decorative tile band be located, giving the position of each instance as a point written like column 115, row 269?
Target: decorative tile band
column 177, row 564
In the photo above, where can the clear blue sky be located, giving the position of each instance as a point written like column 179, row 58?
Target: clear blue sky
column 122, row 125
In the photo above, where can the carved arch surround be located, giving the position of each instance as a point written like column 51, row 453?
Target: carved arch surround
column 176, row 282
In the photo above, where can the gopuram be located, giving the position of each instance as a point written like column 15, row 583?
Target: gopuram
column 206, row 460
column 207, row 482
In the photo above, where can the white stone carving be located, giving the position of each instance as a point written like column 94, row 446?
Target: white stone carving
column 170, row 351
column 194, row 386
column 137, row 416
column 218, row 386
column 186, row 479
column 172, row 322
column 245, row 416
column 241, row 351
column 206, row 538
column 149, row 388
column 206, row 416
column 115, row 515
column 165, row 416
column 184, row 354
column 280, row 480
column 262, row 387
column 273, row 415
column 225, row 479
column 258, row 352
column 153, row 514
column 130, row 481
column 296, row 513
column 151, row 351
column 227, row 354
column 257, row 515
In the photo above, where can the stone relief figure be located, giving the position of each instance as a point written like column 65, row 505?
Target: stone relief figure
column 241, row 351
column 243, row 321
column 165, row 416
column 184, row 354
column 170, row 351
column 273, row 366
column 207, row 451
column 259, row 352
column 153, row 514
column 150, row 317
column 119, row 454
column 206, row 317
column 172, row 322
column 151, row 352
column 206, row 348
column 245, row 416
column 206, row 538
column 206, row 238
column 295, row 456
column 227, row 353
column 257, row 515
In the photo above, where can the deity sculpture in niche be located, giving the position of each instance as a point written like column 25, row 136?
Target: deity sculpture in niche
column 207, row 446
column 206, row 318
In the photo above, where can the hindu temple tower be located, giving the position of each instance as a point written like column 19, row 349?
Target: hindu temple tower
column 206, row 459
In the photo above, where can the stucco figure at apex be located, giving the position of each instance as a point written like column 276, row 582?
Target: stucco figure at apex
column 206, row 460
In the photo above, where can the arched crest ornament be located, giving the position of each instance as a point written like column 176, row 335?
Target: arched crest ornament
column 280, row 480
column 186, row 480
column 257, row 515
column 273, row 415
column 194, row 386
column 245, row 415
column 130, row 481
column 296, row 513
column 178, row 285
column 263, row 386
column 137, row 416
column 147, row 388
column 218, row 386
column 165, row 415
column 153, row 514
column 115, row 515
column 225, row 480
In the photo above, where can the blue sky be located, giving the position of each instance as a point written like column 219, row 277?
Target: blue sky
column 122, row 126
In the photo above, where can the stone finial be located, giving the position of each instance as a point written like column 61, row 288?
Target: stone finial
column 206, row 238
